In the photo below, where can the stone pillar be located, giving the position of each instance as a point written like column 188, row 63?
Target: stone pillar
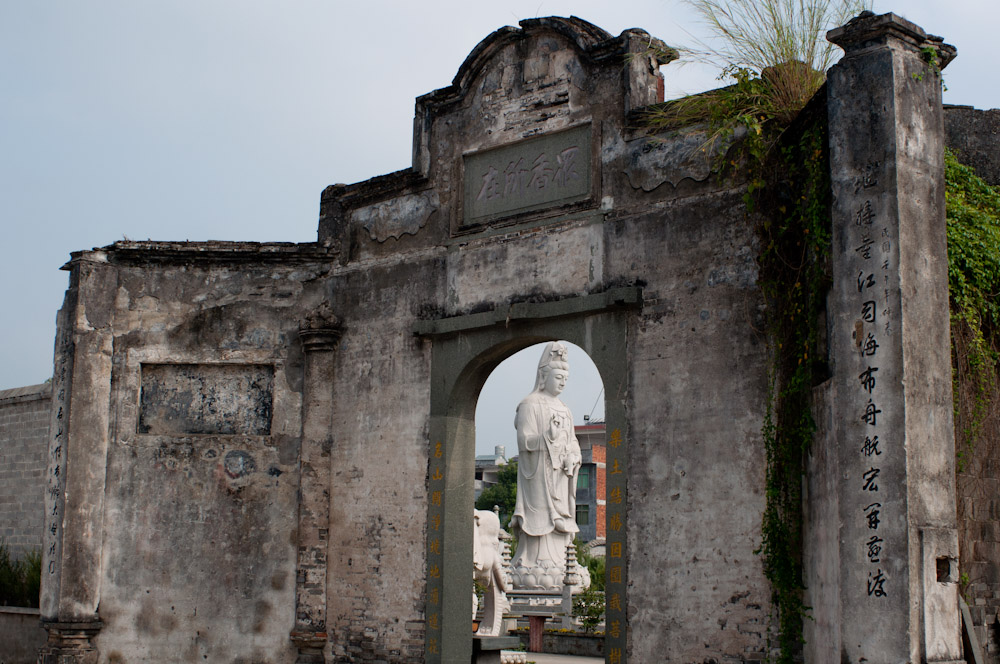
column 319, row 334
column 644, row 55
column 891, row 413
column 77, row 463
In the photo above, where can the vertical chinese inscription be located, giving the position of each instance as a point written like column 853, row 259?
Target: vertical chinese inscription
column 541, row 172
column 435, row 559
column 616, row 581
column 56, row 473
column 868, row 286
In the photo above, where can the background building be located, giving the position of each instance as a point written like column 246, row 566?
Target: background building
column 488, row 468
column 591, row 483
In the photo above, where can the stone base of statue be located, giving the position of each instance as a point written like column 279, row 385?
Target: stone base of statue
column 545, row 577
column 541, row 564
column 528, row 602
column 487, row 649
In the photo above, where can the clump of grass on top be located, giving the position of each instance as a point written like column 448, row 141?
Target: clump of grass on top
column 774, row 52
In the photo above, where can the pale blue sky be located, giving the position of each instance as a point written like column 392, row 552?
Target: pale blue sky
column 202, row 119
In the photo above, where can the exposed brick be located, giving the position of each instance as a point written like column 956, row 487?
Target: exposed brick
column 24, row 427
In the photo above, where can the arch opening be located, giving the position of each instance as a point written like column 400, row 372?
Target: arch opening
column 498, row 453
column 463, row 356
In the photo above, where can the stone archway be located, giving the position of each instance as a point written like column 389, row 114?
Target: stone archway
column 465, row 350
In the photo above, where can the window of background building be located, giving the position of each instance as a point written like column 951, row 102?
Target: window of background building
column 583, row 479
column 582, row 515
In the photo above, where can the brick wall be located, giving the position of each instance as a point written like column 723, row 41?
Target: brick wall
column 979, row 526
column 24, row 433
column 601, row 486
column 975, row 136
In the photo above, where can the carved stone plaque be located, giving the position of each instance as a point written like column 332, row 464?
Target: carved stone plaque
column 181, row 399
column 538, row 173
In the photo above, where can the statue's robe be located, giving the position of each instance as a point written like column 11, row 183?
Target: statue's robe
column 547, row 468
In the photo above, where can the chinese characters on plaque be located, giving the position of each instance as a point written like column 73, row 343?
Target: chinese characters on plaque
column 541, row 172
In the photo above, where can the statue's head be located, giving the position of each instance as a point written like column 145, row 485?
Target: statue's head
column 553, row 369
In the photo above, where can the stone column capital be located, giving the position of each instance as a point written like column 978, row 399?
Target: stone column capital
column 320, row 330
column 867, row 29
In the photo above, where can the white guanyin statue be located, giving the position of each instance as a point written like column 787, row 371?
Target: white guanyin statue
column 544, row 519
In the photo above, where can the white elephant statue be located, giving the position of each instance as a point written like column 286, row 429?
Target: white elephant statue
column 487, row 562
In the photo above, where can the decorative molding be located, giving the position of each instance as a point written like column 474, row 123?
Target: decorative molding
column 320, row 330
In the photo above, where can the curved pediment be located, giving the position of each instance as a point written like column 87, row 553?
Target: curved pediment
column 517, row 134
column 592, row 42
column 584, row 34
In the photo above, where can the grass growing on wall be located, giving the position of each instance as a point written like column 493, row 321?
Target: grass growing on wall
column 775, row 52
column 20, row 580
column 788, row 184
column 788, row 189
column 794, row 277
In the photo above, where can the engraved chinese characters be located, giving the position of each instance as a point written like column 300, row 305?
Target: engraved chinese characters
column 548, row 463
column 541, row 172
column 870, row 251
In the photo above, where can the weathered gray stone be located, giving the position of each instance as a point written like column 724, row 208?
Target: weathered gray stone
column 21, row 634
column 391, row 219
column 340, row 531
column 549, row 170
column 685, row 154
column 890, row 417
column 181, row 399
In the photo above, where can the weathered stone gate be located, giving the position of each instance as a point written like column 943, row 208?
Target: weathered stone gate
column 264, row 452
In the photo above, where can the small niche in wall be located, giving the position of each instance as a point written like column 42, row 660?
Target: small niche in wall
column 219, row 399
column 947, row 570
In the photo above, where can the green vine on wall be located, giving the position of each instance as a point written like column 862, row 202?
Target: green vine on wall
column 782, row 152
column 794, row 278
column 775, row 53
column 788, row 188
column 973, row 215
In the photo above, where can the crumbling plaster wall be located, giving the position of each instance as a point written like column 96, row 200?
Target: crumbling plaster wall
column 198, row 557
column 379, row 459
column 195, row 540
column 699, row 374
column 199, row 525
column 687, row 240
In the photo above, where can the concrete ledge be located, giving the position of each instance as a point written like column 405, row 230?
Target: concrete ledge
column 26, row 393
column 610, row 299
column 581, row 645
column 21, row 634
